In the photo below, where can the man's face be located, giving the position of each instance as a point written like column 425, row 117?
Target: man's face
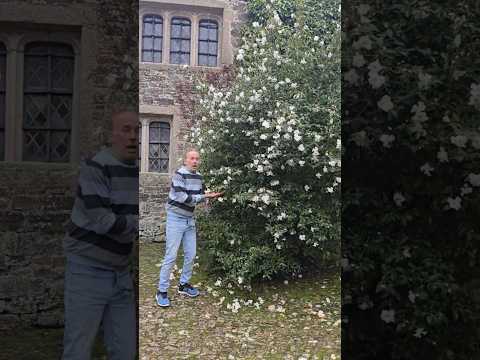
column 192, row 160
column 125, row 135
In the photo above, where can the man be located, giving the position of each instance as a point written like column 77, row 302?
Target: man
column 98, row 244
column 186, row 191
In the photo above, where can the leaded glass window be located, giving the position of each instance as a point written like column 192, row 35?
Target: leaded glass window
column 180, row 38
column 208, row 43
column 48, row 95
column 3, row 82
column 152, row 38
column 159, row 145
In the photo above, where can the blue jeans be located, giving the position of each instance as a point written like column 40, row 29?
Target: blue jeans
column 179, row 228
column 94, row 295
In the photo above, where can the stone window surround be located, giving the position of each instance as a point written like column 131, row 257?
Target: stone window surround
column 151, row 114
column 15, row 45
column 194, row 10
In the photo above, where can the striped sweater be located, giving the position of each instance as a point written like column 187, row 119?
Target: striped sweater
column 186, row 190
column 104, row 221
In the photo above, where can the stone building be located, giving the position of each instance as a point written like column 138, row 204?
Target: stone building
column 63, row 65
column 180, row 41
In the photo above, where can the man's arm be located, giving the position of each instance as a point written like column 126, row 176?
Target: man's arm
column 95, row 194
column 180, row 192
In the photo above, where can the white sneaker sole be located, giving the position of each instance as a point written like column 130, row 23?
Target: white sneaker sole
column 186, row 293
column 156, row 298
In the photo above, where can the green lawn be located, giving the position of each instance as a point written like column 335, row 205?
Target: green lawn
column 300, row 319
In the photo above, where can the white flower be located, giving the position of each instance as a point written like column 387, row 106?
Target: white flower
column 218, row 282
column 424, row 80
column 351, row 76
column 459, row 140
column 266, row 124
column 274, row 182
column 363, row 42
column 475, row 96
column 442, row 155
column 466, row 190
column 427, row 169
column 363, row 9
column 385, row 103
column 454, row 203
column 387, row 140
column 240, row 54
column 306, row 187
column 240, row 280
column 474, row 179
column 388, row 316
column 301, row 147
column 302, row 237
column 411, row 296
column 358, row 60
column 476, row 142
column 375, row 66
column 398, row 198
column 263, row 137
column 419, row 332
column 360, row 138
column 375, row 79
column 266, row 198
column 255, row 24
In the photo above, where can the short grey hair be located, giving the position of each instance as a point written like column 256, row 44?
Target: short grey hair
column 189, row 150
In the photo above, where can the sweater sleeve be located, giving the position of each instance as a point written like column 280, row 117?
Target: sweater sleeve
column 94, row 191
column 179, row 193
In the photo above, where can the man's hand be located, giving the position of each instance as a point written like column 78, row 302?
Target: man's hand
column 213, row 195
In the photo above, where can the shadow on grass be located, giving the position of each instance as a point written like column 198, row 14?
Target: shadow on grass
column 40, row 344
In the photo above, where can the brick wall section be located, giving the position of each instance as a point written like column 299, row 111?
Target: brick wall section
column 37, row 198
column 162, row 85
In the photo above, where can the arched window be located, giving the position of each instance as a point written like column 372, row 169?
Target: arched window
column 152, row 38
column 3, row 74
column 208, row 43
column 180, row 38
column 47, row 101
column 159, row 144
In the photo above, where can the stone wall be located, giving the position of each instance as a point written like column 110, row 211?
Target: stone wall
column 33, row 210
column 165, row 88
column 36, row 198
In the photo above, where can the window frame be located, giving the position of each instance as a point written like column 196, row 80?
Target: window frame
column 15, row 42
column 208, row 41
column 153, row 37
column 3, row 92
column 169, row 11
column 159, row 142
column 181, row 39
column 50, row 92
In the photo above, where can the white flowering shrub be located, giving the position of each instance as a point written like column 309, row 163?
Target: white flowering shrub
column 411, row 179
column 271, row 141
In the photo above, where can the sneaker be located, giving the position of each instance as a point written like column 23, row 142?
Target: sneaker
column 188, row 290
column 162, row 299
